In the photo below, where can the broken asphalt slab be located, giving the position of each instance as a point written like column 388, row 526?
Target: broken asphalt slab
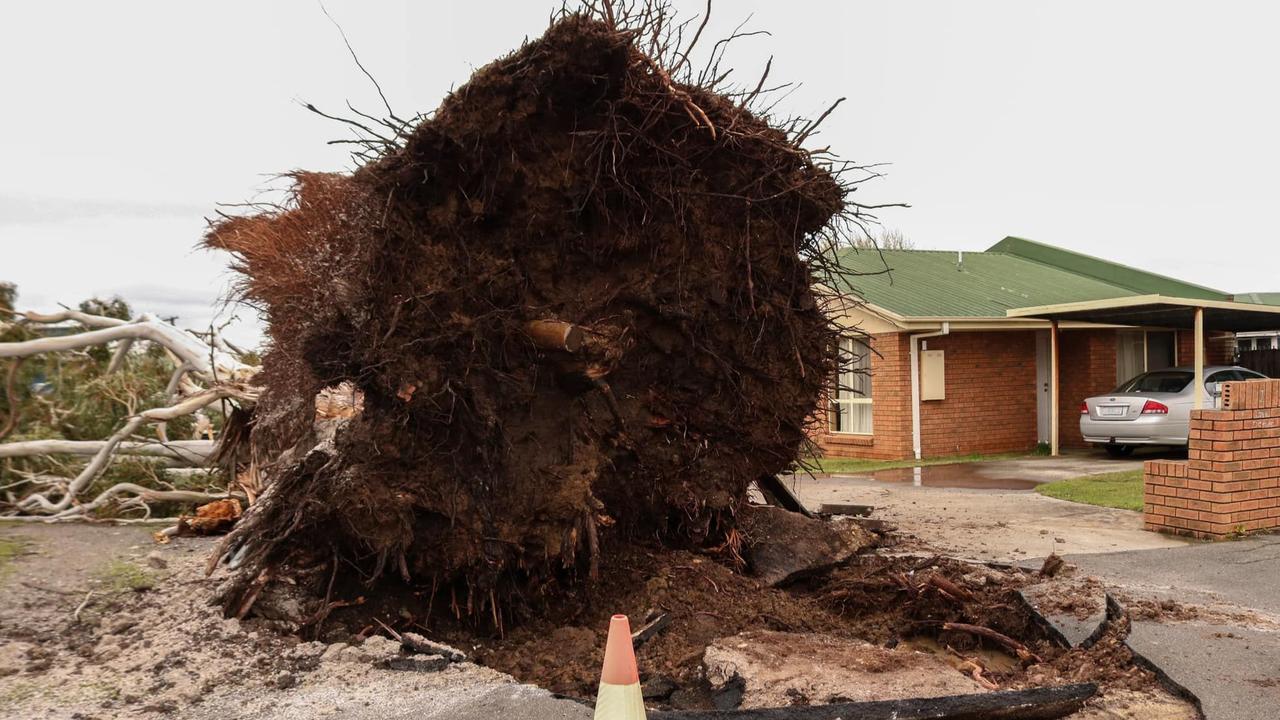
column 1245, row 572
column 1233, row 672
column 1079, row 625
column 786, row 545
column 1231, row 668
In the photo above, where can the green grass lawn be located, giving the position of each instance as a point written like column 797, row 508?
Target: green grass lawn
column 1117, row 490
column 857, row 465
column 10, row 548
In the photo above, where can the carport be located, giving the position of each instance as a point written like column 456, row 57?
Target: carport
column 1153, row 311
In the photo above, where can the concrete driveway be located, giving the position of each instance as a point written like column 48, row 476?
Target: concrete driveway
column 1017, row 474
column 988, row 511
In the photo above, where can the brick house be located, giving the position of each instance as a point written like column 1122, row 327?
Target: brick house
column 937, row 366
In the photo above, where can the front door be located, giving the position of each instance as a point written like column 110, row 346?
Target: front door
column 1044, row 394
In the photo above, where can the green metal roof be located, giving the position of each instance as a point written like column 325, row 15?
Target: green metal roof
column 1263, row 298
column 935, row 283
column 1014, row 273
column 1138, row 281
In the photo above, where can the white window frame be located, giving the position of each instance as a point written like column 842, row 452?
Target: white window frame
column 853, row 356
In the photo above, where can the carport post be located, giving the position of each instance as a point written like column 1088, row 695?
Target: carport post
column 1199, row 391
column 1054, row 410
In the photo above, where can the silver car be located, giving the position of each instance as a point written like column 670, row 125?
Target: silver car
column 1153, row 408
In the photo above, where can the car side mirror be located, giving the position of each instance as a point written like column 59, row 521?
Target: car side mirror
column 1214, row 389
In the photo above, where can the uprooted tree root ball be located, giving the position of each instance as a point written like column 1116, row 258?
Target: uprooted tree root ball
column 576, row 301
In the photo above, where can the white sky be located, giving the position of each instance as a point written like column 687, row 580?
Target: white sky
column 1143, row 132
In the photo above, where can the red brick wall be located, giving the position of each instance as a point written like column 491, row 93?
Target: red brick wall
column 890, row 409
column 1219, row 348
column 991, row 395
column 990, row 403
column 1231, row 480
column 1087, row 367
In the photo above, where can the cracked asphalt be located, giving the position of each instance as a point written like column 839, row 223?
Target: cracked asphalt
column 1228, row 656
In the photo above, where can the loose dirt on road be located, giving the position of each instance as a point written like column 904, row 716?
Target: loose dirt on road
column 100, row 622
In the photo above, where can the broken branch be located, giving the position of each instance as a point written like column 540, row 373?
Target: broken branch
column 1022, row 651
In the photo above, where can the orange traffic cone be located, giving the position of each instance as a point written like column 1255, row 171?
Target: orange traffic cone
column 619, row 697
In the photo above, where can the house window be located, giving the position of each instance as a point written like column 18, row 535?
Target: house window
column 851, row 404
column 1142, row 351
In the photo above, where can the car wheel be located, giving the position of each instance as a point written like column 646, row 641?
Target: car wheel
column 1119, row 451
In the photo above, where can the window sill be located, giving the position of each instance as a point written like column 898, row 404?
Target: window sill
column 844, row 438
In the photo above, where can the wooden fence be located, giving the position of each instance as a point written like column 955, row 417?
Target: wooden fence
column 1266, row 362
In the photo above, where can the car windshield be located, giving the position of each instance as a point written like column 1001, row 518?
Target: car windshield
column 1164, row 381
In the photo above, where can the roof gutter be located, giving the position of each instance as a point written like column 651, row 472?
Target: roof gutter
column 915, row 382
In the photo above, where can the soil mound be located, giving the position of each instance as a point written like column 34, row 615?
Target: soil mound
column 576, row 300
column 942, row 608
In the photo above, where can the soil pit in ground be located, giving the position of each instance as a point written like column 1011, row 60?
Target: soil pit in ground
column 902, row 604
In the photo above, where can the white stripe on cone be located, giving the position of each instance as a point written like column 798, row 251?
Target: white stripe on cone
column 619, row 702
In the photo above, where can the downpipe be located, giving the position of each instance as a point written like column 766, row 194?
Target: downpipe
column 915, row 383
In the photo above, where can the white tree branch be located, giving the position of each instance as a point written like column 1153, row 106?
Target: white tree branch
column 121, row 354
column 175, row 381
column 211, row 365
column 214, row 363
column 142, row 495
column 192, row 452
column 91, row 321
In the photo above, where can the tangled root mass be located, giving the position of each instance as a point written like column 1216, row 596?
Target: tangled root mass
column 573, row 182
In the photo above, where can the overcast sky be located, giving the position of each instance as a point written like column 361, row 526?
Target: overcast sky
column 1143, row 132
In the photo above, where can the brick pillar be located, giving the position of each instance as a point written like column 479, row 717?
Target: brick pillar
column 1230, row 482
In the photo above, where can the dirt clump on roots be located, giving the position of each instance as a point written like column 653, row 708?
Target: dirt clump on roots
column 576, row 301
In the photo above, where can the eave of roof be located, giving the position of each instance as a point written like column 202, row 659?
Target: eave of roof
column 1161, row 311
